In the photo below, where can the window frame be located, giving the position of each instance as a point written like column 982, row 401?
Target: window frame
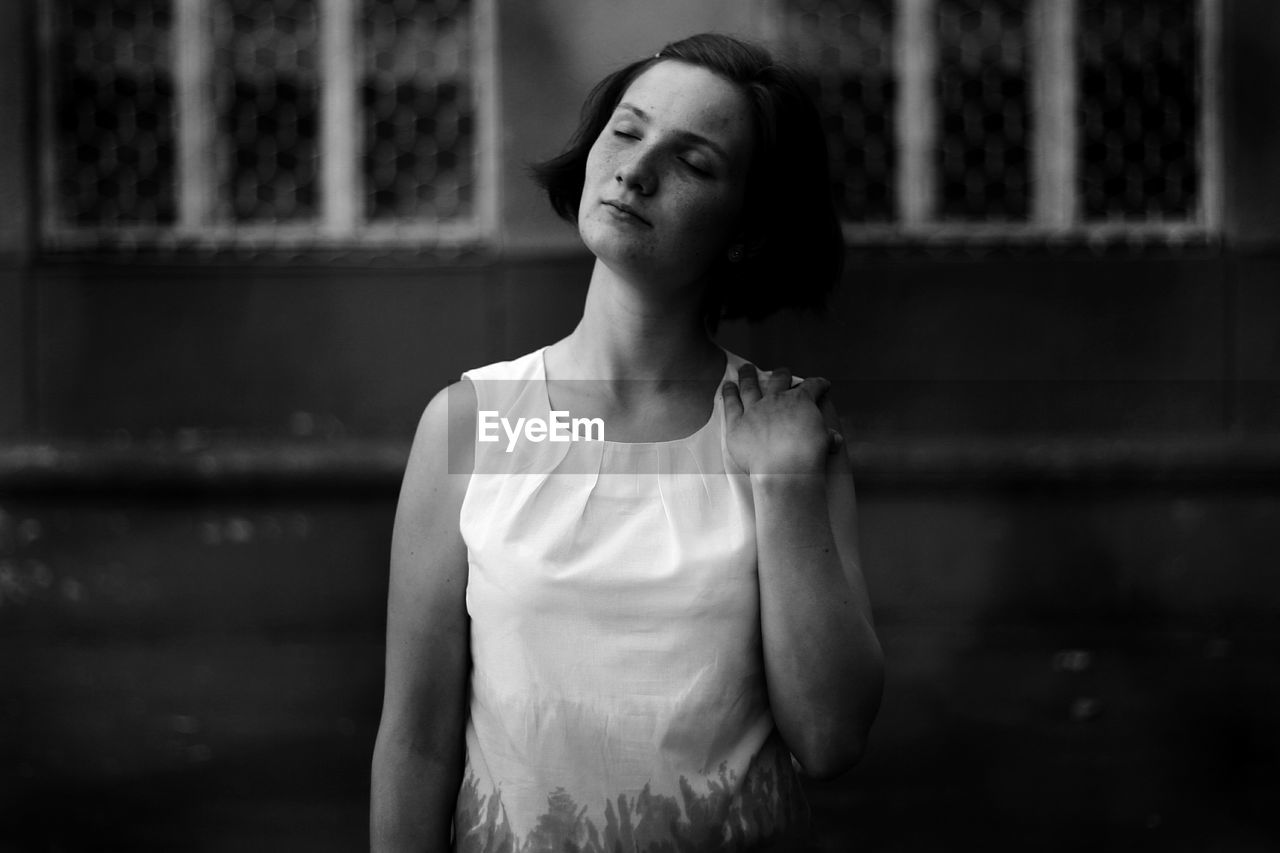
column 1054, row 216
column 339, row 224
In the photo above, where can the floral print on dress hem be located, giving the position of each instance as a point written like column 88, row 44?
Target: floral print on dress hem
column 766, row 810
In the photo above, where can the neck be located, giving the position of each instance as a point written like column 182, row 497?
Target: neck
column 633, row 332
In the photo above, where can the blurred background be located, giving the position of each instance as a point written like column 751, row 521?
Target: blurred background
column 242, row 243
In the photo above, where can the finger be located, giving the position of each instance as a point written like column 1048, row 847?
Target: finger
column 835, row 440
column 732, row 402
column 816, row 387
column 829, row 414
column 779, row 380
column 749, row 383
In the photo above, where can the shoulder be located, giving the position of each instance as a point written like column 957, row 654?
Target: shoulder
column 523, row 367
column 497, row 384
column 442, row 443
column 452, row 405
column 736, row 362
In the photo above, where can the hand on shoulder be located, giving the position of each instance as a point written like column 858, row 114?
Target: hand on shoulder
column 776, row 427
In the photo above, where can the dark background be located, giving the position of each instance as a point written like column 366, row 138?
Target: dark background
column 1067, row 461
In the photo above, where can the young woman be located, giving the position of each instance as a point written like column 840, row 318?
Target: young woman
column 640, row 642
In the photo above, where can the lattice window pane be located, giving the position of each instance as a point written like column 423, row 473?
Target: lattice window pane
column 1018, row 117
column 1139, row 104
column 267, row 122
column 266, row 97
column 419, row 110
column 113, row 112
column 851, row 42
column 984, row 114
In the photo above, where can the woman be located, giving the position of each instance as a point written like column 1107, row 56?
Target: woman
column 640, row 642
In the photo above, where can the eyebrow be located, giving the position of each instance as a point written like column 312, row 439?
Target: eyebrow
column 684, row 134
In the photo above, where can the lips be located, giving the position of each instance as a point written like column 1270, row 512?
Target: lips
column 627, row 209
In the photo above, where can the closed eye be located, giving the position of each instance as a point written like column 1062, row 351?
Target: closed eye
column 696, row 168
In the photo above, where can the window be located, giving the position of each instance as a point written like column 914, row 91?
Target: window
column 267, row 123
column 1016, row 118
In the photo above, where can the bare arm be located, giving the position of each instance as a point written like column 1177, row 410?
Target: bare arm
column 823, row 663
column 418, row 757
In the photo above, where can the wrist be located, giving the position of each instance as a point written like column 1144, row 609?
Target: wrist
column 791, row 466
column 790, row 484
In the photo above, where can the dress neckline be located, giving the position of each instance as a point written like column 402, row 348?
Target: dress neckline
column 671, row 442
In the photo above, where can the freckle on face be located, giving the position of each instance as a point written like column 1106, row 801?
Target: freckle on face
column 692, row 216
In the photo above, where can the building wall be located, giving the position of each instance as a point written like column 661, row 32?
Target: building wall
column 1162, row 338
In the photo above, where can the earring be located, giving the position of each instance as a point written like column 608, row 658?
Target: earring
column 735, row 253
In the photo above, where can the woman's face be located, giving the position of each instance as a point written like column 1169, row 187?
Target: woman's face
column 666, row 179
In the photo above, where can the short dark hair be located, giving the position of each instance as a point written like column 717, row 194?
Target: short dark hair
column 794, row 248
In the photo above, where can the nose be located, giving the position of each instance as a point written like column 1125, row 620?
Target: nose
column 637, row 172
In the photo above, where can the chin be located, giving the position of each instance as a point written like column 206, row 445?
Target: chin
column 611, row 245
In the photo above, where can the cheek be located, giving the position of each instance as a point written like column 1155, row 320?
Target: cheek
column 594, row 172
column 598, row 160
column 585, row 199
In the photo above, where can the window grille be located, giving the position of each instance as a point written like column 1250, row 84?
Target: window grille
column 1016, row 118
column 267, row 123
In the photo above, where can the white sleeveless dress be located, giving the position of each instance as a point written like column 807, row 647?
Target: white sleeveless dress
column 617, row 699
